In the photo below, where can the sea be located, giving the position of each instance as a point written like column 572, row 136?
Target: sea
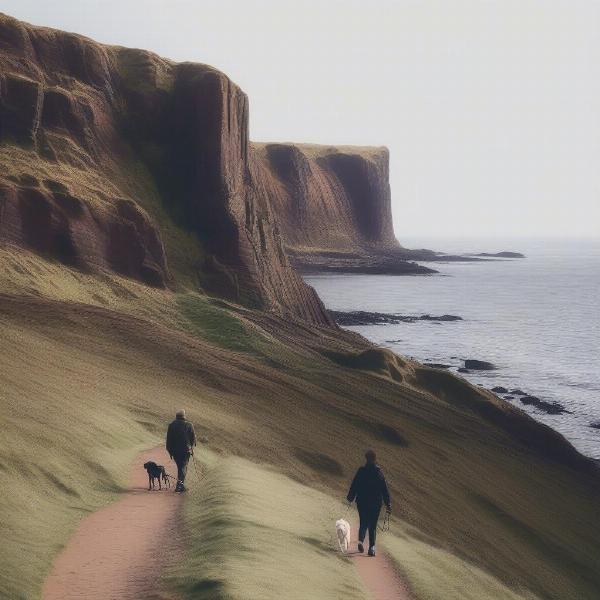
column 537, row 319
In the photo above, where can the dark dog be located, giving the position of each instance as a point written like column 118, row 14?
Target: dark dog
column 156, row 472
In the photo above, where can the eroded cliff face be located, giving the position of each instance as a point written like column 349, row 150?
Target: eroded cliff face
column 98, row 144
column 333, row 207
column 329, row 198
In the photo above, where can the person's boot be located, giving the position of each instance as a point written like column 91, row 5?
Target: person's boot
column 179, row 487
column 371, row 551
column 361, row 548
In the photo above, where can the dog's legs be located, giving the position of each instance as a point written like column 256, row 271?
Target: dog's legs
column 149, row 482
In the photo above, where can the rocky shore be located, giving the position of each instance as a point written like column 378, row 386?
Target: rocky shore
column 504, row 254
column 360, row 317
column 355, row 263
column 373, row 261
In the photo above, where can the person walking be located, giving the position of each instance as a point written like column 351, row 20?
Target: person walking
column 370, row 491
column 181, row 439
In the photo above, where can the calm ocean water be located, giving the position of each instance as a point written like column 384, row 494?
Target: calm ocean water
column 537, row 319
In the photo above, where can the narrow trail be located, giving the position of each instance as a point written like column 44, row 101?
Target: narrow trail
column 379, row 576
column 120, row 551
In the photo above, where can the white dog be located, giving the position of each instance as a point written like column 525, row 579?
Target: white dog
column 342, row 528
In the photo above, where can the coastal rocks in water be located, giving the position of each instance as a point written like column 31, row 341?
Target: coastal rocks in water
column 504, row 254
column 509, row 397
column 595, row 424
column 434, row 365
column 552, row 408
column 463, row 370
column 479, row 365
column 440, row 318
column 361, row 317
column 499, row 390
column 370, row 263
column 517, row 392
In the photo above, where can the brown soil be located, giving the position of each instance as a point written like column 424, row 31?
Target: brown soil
column 120, row 551
column 378, row 574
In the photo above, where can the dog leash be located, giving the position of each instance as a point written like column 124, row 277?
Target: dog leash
column 384, row 527
column 196, row 468
column 386, row 523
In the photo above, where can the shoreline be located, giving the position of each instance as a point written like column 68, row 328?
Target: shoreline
column 556, row 397
column 396, row 261
column 469, row 366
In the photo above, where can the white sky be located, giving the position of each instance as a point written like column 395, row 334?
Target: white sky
column 490, row 109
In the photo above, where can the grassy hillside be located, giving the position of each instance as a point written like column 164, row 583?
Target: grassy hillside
column 87, row 381
column 253, row 533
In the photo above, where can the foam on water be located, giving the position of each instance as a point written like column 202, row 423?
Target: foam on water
column 537, row 319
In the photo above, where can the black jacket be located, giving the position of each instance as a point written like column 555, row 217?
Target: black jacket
column 180, row 437
column 369, row 487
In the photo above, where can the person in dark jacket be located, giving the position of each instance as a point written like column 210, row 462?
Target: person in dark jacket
column 370, row 491
column 181, row 439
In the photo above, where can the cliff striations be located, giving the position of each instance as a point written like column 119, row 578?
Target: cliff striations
column 107, row 154
column 329, row 197
column 104, row 151
column 334, row 206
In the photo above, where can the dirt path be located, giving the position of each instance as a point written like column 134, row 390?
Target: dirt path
column 378, row 574
column 135, row 543
column 119, row 552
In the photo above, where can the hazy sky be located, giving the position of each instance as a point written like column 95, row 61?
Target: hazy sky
column 490, row 109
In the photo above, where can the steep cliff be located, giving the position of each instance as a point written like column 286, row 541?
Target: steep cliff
column 335, row 198
column 333, row 206
column 106, row 151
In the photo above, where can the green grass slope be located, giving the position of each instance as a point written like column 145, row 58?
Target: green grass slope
column 253, row 533
column 92, row 369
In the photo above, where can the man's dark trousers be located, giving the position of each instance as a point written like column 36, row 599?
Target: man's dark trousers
column 181, row 460
column 368, row 516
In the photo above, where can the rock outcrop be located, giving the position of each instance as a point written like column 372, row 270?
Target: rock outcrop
column 333, row 204
column 99, row 143
column 361, row 318
column 479, row 365
column 329, row 198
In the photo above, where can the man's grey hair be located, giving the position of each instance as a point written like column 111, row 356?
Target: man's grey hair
column 180, row 413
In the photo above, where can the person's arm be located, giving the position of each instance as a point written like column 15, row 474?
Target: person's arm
column 191, row 436
column 385, row 492
column 353, row 488
column 169, row 443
